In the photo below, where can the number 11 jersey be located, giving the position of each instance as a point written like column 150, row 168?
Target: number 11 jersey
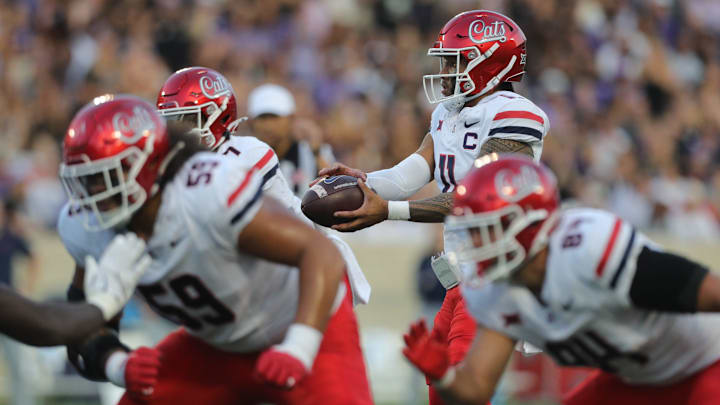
column 458, row 136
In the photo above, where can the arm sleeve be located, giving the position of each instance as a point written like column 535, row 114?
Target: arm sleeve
column 402, row 180
column 666, row 282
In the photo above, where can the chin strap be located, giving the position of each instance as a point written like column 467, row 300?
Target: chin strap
column 496, row 80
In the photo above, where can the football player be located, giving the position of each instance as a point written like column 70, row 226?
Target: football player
column 583, row 285
column 481, row 53
column 109, row 284
column 265, row 314
column 200, row 107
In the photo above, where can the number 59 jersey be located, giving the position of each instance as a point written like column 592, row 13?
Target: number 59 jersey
column 584, row 315
column 458, row 136
column 198, row 277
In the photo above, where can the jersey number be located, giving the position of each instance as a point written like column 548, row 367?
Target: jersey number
column 447, row 171
column 201, row 172
column 232, row 150
column 194, row 295
column 591, row 350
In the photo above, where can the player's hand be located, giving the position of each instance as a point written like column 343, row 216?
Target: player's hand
column 110, row 283
column 280, row 369
column 141, row 373
column 428, row 354
column 373, row 210
column 339, row 169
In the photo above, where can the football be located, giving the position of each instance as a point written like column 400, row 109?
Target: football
column 336, row 193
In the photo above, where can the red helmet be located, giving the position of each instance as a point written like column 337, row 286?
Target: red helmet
column 205, row 98
column 502, row 213
column 491, row 43
column 113, row 153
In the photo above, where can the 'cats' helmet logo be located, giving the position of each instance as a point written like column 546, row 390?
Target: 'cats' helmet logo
column 204, row 98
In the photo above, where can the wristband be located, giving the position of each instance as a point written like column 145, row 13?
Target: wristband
column 399, row 210
column 115, row 368
column 302, row 342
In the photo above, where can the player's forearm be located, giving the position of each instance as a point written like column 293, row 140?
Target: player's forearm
column 321, row 271
column 433, row 209
column 465, row 389
column 46, row 324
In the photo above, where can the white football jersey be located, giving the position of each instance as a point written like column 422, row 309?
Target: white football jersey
column 198, row 277
column 264, row 160
column 458, row 136
column 584, row 316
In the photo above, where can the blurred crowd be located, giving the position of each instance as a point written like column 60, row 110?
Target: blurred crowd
column 632, row 87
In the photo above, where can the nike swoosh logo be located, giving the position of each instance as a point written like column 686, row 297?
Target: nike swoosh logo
column 471, row 124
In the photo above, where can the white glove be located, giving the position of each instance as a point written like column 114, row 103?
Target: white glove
column 446, row 272
column 110, row 284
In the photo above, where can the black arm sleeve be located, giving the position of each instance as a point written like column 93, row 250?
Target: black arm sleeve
column 94, row 353
column 666, row 282
column 89, row 357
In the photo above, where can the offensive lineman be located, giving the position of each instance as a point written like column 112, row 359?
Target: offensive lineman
column 205, row 98
column 581, row 284
column 480, row 53
column 246, row 320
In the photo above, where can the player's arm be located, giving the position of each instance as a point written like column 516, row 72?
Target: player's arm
column 471, row 382
column 667, row 282
column 275, row 234
column 636, row 272
column 434, row 209
column 107, row 285
column 388, row 189
column 501, row 145
column 46, row 324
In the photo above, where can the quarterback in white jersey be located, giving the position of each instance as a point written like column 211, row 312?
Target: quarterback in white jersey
column 480, row 52
column 247, row 307
column 581, row 284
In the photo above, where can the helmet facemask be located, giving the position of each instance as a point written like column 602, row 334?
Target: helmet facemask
column 107, row 188
column 464, row 84
column 485, row 245
column 202, row 117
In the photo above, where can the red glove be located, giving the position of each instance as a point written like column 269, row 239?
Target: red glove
column 280, row 369
column 443, row 319
column 428, row 354
column 141, row 372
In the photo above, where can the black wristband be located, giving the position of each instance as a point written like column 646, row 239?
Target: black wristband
column 95, row 351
